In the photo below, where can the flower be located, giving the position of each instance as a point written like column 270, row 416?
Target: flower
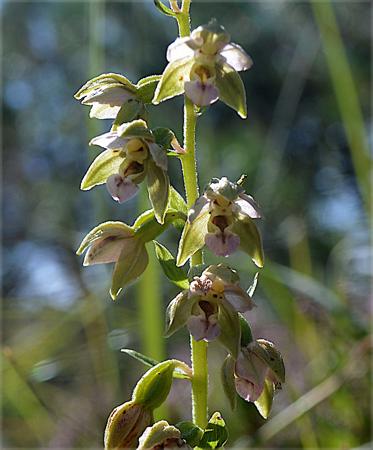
column 210, row 307
column 106, row 94
column 125, row 425
column 257, row 364
column 222, row 219
column 131, row 155
column 116, row 242
column 162, row 436
column 204, row 65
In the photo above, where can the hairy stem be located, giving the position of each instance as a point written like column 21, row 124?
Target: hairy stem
column 189, row 167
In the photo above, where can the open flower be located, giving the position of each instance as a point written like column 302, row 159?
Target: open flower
column 162, row 436
column 204, row 65
column 257, row 364
column 210, row 307
column 222, row 219
column 116, row 242
column 131, row 155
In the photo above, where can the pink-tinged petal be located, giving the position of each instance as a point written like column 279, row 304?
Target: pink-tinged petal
column 213, row 329
column 115, row 96
column 158, row 154
column 121, row 189
column 236, row 57
column 248, row 206
column 197, row 326
column 181, row 48
column 238, row 298
column 100, row 111
column 222, row 244
column 247, row 390
column 200, row 206
column 250, row 372
column 109, row 140
column 201, row 94
column 103, row 251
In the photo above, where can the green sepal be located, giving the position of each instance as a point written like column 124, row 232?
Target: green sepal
column 215, row 434
column 230, row 332
column 147, row 228
column 178, row 312
column 246, row 334
column 250, row 240
column 271, row 356
column 131, row 110
column 192, row 238
column 103, row 230
column 163, row 137
column 144, row 217
column 227, row 380
column 107, row 80
column 158, row 188
column 181, row 369
column 107, row 163
column 177, row 202
column 164, row 9
column 154, row 386
column 231, row 89
column 168, row 263
column 128, row 267
column 146, row 88
column 172, row 81
column 190, row 432
column 135, row 129
column 264, row 402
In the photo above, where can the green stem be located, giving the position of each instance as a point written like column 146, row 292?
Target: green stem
column 189, row 167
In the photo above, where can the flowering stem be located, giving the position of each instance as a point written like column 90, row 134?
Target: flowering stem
column 189, row 167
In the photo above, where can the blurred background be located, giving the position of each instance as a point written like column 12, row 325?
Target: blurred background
column 304, row 148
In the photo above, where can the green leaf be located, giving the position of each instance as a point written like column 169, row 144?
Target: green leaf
column 130, row 265
column 135, row 129
column 177, row 202
column 178, row 312
column 163, row 137
column 230, row 332
column 172, row 81
column 227, row 379
column 168, row 263
column 146, row 88
column 131, row 110
column 190, row 432
column 246, row 335
column 250, row 240
column 264, row 402
column 192, row 238
column 158, row 189
column 231, row 89
column 107, row 163
column 215, row 434
column 150, row 228
column 140, row 357
column 164, row 9
column 154, row 386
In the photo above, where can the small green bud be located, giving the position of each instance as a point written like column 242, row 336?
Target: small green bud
column 190, row 432
column 162, row 436
column 125, row 425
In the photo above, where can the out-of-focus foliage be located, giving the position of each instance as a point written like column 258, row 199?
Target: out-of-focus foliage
column 63, row 371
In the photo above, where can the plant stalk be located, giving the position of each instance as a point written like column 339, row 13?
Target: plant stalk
column 189, row 168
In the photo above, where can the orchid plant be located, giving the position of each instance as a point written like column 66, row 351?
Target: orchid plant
column 203, row 65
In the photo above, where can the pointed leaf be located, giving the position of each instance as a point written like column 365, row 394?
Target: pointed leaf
column 158, row 189
column 227, row 379
column 106, row 164
column 250, row 240
column 231, row 89
column 172, row 81
column 163, row 137
column 178, row 312
column 146, row 88
column 140, row 357
column 230, row 332
column 192, row 238
column 215, row 434
column 264, row 402
column 177, row 202
column 168, row 263
column 190, row 432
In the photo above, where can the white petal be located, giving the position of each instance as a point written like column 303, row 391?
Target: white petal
column 181, row 48
column 236, row 57
column 103, row 251
column 114, row 96
column 158, row 154
column 109, row 140
column 238, row 298
column 121, row 189
column 201, row 94
column 99, row 111
column 248, row 206
column 200, row 206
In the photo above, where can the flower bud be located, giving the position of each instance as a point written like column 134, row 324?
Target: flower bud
column 125, row 425
column 162, row 436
